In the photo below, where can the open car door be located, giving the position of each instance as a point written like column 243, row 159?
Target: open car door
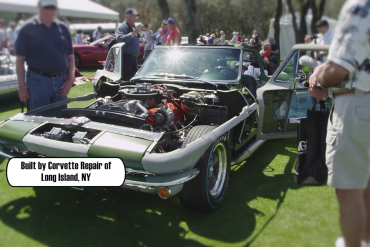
column 284, row 99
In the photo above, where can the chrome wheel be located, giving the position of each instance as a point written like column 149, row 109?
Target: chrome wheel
column 217, row 170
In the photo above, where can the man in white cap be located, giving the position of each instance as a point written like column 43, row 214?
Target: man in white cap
column 45, row 44
column 128, row 33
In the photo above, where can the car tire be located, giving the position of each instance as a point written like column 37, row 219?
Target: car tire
column 206, row 191
column 77, row 60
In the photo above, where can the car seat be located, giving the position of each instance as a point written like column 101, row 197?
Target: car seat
column 250, row 83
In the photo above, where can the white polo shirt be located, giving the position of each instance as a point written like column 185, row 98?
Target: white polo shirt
column 96, row 35
column 11, row 35
column 351, row 44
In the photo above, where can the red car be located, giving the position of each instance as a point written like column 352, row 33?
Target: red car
column 92, row 54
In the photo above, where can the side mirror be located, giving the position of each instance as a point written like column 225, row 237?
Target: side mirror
column 100, row 45
column 301, row 76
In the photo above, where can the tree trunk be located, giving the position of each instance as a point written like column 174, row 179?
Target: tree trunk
column 165, row 9
column 303, row 25
column 321, row 9
column 314, row 16
column 302, row 31
column 278, row 13
column 190, row 21
column 294, row 19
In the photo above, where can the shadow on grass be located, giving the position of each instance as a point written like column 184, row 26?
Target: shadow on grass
column 11, row 104
column 95, row 217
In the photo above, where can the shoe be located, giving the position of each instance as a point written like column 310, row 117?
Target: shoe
column 340, row 243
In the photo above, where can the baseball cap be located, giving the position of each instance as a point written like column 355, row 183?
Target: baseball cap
column 164, row 22
column 45, row 3
column 170, row 21
column 131, row 11
column 321, row 23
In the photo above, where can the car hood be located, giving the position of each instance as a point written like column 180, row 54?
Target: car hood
column 110, row 141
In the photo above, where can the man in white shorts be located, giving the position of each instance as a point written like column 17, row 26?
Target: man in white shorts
column 347, row 73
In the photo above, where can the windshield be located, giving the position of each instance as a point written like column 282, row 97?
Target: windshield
column 100, row 40
column 208, row 63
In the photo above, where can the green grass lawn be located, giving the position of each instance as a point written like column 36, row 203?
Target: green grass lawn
column 263, row 207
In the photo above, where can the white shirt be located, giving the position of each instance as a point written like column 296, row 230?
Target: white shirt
column 253, row 71
column 11, row 36
column 96, row 35
column 324, row 39
column 351, row 45
column 78, row 38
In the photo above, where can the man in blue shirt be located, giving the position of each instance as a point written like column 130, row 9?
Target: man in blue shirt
column 128, row 33
column 45, row 44
column 161, row 35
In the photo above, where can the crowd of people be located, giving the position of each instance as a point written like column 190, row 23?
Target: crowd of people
column 8, row 36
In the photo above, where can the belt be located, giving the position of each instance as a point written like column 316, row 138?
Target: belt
column 52, row 75
column 128, row 54
column 347, row 92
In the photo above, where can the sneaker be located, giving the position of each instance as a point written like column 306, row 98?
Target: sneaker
column 340, row 243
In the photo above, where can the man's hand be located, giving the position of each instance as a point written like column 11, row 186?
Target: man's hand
column 138, row 28
column 307, row 38
column 66, row 87
column 313, row 78
column 316, row 92
column 23, row 93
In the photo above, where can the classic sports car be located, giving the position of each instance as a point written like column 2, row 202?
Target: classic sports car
column 178, row 125
column 8, row 77
column 93, row 53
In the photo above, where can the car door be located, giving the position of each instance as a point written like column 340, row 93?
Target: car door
column 284, row 99
column 101, row 52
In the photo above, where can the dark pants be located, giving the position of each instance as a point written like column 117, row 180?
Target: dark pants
column 129, row 66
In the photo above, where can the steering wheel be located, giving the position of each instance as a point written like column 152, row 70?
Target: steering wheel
column 222, row 68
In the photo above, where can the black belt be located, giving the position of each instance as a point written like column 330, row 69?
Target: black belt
column 128, row 54
column 52, row 75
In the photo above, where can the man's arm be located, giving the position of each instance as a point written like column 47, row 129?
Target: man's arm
column 21, row 74
column 66, row 87
column 332, row 74
column 328, row 74
column 275, row 52
column 121, row 36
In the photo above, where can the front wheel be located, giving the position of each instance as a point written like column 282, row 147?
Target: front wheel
column 206, row 191
column 77, row 60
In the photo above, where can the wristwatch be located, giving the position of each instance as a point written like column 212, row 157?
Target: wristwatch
column 320, row 86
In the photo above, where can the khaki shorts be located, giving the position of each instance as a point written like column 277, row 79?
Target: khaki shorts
column 348, row 142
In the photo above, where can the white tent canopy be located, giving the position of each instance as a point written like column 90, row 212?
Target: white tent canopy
column 85, row 27
column 287, row 35
column 67, row 8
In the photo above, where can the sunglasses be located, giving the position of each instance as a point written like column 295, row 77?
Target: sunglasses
column 50, row 7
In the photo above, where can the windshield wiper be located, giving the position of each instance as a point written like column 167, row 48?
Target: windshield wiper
column 168, row 75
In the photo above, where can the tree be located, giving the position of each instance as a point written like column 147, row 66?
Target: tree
column 302, row 30
column 190, row 22
column 278, row 13
column 316, row 13
column 165, row 9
